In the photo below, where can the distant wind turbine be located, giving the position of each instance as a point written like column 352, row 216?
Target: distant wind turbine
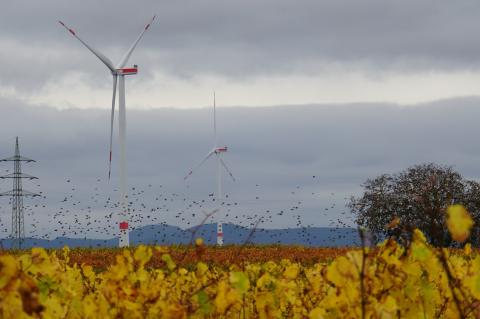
column 217, row 151
column 118, row 72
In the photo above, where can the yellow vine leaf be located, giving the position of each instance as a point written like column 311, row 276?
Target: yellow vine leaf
column 8, row 269
column 459, row 222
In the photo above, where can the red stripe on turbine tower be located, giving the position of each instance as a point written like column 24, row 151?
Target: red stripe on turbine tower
column 124, row 225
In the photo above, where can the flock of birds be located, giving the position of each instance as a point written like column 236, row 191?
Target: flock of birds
column 95, row 216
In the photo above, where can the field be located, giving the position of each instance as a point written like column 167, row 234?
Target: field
column 222, row 257
column 389, row 281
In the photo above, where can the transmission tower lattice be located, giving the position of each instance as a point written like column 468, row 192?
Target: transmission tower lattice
column 17, row 194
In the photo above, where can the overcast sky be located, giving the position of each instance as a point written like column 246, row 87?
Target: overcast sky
column 339, row 90
column 252, row 52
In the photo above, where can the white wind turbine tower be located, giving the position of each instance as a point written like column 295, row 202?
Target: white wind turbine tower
column 118, row 72
column 217, row 151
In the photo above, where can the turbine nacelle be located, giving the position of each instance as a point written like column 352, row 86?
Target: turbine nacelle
column 126, row 71
column 220, row 150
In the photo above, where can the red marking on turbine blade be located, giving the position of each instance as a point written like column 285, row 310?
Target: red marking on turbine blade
column 110, row 165
column 71, row 31
column 147, row 26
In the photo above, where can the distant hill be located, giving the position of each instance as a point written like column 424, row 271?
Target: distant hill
column 233, row 234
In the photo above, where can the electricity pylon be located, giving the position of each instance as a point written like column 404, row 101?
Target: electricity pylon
column 17, row 194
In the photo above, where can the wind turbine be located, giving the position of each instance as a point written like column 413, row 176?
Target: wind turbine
column 118, row 72
column 217, row 151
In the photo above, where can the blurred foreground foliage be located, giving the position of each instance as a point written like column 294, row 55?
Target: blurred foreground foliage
column 387, row 281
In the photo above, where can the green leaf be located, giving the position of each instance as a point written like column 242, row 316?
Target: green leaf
column 420, row 252
column 240, row 281
column 45, row 286
column 204, row 302
column 169, row 261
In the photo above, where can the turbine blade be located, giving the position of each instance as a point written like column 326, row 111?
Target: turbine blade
column 134, row 44
column 99, row 55
column 111, row 123
column 200, row 164
column 215, row 119
column 227, row 169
